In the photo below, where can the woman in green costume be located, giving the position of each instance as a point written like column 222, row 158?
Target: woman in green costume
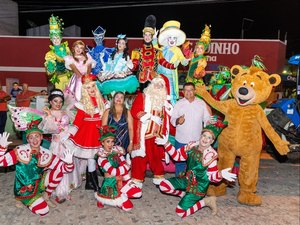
column 54, row 59
column 201, row 169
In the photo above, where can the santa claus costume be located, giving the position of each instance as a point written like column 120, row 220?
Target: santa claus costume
column 151, row 115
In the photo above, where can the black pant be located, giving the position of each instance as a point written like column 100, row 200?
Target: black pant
column 3, row 118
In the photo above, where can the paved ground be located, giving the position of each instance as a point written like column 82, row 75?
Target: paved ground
column 278, row 184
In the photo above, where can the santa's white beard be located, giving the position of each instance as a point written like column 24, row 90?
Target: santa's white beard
column 157, row 98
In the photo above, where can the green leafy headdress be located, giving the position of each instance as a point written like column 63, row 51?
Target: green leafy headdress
column 55, row 26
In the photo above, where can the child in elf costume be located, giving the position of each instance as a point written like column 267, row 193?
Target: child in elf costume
column 38, row 171
column 201, row 169
column 170, row 37
column 116, row 188
column 54, row 59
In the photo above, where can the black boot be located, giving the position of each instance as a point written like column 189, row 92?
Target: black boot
column 91, row 182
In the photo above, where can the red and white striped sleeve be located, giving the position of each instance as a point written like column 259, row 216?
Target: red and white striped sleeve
column 105, row 164
column 61, row 165
column 213, row 173
column 177, row 155
column 7, row 159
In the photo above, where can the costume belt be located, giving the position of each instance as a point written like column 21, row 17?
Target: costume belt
column 192, row 186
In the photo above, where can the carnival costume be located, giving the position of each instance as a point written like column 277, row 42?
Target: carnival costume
column 116, row 73
column 147, row 125
column 59, row 128
column 115, row 189
column 172, row 54
column 75, row 84
column 36, row 171
column 100, row 51
column 198, row 63
column 201, row 169
column 146, row 58
column 84, row 138
column 54, row 59
column 84, row 131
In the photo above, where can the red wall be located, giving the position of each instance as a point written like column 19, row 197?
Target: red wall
column 29, row 52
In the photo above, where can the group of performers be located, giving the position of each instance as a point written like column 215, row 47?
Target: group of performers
column 83, row 79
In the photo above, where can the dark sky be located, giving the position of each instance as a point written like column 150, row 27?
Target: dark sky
column 224, row 16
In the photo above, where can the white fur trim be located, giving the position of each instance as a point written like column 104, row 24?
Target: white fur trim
column 112, row 202
column 139, row 152
column 157, row 181
column 144, row 126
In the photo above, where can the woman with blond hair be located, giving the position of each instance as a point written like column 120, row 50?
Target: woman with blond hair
column 81, row 63
column 85, row 135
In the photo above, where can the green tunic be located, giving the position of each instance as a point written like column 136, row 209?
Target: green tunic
column 195, row 181
column 110, row 187
column 55, row 65
column 193, row 66
column 29, row 181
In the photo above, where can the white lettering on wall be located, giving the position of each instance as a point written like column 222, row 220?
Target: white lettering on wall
column 211, row 58
column 224, row 48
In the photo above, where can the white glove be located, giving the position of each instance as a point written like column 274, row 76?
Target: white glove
column 161, row 141
column 145, row 117
column 156, row 119
column 168, row 108
column 3, row 140
column 227, row 175
column 68, row 156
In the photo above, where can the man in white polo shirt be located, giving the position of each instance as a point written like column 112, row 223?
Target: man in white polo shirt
column 189, row 116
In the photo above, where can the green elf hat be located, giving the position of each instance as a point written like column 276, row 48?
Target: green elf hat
column 55, row 26
column 106, row 132
column 205, row 37
column 33, row 127
column 216, row 128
